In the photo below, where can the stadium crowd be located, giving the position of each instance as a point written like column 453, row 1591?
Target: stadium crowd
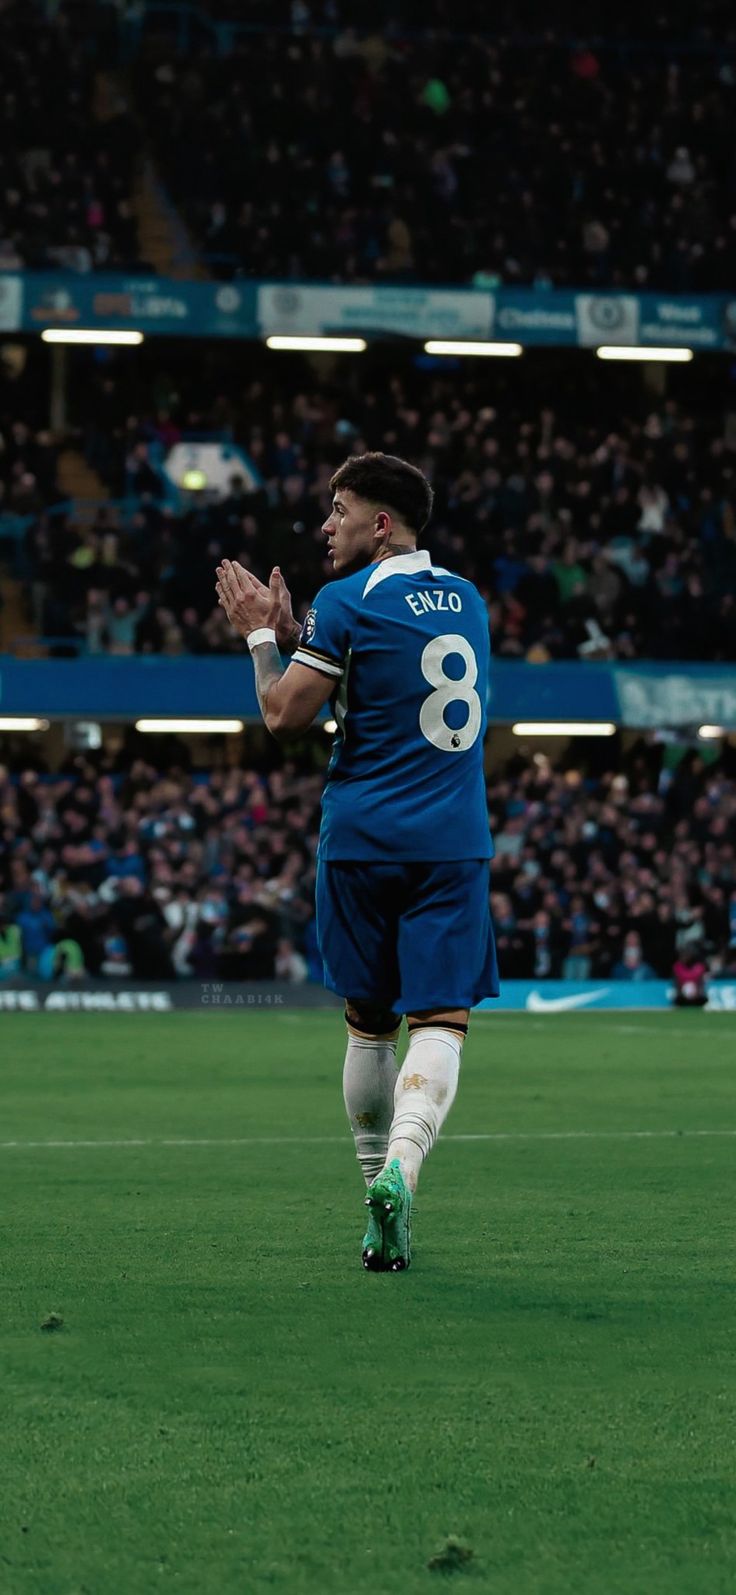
column 67, row 150
column 464, row 154
column 421, row 148
column 590, row 532
column 119, row 868
column 158, row 873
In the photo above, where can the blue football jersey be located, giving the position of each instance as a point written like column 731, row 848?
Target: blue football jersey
column 407, row 644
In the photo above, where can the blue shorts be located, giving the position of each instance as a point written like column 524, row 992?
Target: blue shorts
column 408, row 936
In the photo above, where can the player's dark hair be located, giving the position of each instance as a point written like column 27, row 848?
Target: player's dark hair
column 385, row 479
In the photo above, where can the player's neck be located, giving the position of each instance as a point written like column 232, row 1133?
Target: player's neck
column 392, row 550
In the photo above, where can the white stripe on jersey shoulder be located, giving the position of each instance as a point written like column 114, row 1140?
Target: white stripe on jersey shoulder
column 301, row 657
column 398, row 565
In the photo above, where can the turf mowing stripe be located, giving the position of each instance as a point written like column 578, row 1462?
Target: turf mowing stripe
column 339, row 1140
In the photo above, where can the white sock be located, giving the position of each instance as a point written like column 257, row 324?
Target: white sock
column 425, row 1092
column 368, row 1082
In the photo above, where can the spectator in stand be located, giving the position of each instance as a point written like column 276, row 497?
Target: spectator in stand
column 11, row 948
column 545, row 945
column 289, row 964
column 64, row 961
column 115, row 963
column 632, row 964
column 732, row 926
column 37, row 927
column 690, row 974
column 579, row 929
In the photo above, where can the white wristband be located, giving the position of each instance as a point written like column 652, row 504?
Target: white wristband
column 264, row 634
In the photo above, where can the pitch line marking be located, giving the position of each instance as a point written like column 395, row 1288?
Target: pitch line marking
column 340, row 1140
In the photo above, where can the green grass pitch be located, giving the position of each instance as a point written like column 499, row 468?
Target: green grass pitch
column 231, row 1405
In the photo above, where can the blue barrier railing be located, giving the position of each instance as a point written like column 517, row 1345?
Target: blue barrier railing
column 110, row 687
column 29, row 642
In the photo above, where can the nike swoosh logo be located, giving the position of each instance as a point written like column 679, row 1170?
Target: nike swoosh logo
column 536, row 1003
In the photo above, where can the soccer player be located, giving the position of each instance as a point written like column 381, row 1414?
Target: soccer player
column 400, row 647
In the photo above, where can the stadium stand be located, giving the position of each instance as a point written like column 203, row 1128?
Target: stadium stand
column 464, row 155
column 597, row 516
column 68, row 147
column 461, row 156
column 118, row 866
column 592, row 531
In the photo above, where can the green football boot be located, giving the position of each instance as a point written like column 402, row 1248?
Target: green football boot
column 387, row 1241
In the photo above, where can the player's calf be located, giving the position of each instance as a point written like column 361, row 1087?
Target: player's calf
column 426, row 1087
column 369, row 1078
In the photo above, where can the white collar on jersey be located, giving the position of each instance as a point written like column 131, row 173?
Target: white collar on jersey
column 398, row 565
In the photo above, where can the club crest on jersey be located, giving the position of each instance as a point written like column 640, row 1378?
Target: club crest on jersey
column 310, row 626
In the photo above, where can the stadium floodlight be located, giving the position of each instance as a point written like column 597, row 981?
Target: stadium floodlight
column 564, row 728
column 11, row 722
column 623, row 351
column 330, row 726
column 317, row 345
column 89, row 335
column 711, row 733
column 194, row 481
column 159, row 726
column 510, row 351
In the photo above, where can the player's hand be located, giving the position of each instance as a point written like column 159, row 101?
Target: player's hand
column 249, row 604
column 246, row 602
column 287, row 628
